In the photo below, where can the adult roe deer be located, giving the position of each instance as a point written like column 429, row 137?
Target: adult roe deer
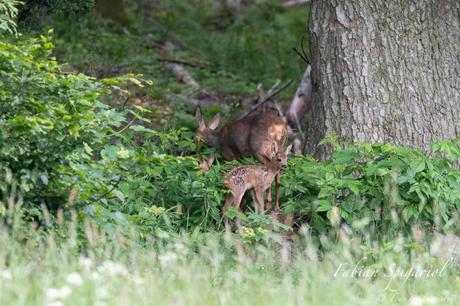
column 257, row 178
column 252, row 135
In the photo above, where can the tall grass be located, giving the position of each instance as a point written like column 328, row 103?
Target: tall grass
column 77, row 263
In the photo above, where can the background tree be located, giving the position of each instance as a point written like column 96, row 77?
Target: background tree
column 384, row 71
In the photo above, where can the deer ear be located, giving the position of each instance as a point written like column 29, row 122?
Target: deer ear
column 199, row 118
column 198, row 114
column 214, row 123
column 288, row 149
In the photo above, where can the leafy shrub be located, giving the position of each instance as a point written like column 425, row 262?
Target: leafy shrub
column 8, row 13
column 66, row 148
column 46, row 116
column 33, row 10
column 379, row 186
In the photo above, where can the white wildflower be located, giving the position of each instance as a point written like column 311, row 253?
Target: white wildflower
column 85, row 263
column 74, row 278
column 113, row 269
column 5, row 275
column 96, row 275
column 167, row 259
column 415, row 301
column 180, row 248
column 423, row 300
column 431, row 300
column 53, row 294
column 163, row 235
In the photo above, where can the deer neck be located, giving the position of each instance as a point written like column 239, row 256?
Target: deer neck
column 212, row 138
column 273, row 168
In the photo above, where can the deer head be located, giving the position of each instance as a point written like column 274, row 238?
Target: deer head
column 279, row 158
column 207, row 131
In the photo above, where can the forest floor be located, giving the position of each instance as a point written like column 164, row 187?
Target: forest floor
column 227, row 52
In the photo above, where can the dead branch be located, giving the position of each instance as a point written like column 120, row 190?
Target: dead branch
column 183, row 76
column 267, row 98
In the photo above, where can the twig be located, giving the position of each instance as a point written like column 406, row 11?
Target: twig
column 182, row 62
column 125, row 102
column 127, row 126
column 302, row 55
column 266, row 99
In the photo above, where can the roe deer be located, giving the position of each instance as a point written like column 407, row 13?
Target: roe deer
column 257, row 178
column 252, row 135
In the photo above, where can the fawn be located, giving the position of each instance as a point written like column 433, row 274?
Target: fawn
column 252, row 135
column 257, row 178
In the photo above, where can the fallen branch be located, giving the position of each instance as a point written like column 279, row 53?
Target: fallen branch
column 182, row 75
column 182, row 62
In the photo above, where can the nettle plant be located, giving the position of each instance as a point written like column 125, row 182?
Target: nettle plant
column 379, row 186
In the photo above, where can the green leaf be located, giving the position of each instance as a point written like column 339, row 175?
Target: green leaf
column 417, row 165
column 323, row 205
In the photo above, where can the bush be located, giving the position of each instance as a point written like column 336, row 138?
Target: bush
column 381, row 186
column 8, row 13
column 66, row 148
column 47, row 116
column 34, row 10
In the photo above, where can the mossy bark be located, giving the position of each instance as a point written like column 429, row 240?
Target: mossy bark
column 384, row 71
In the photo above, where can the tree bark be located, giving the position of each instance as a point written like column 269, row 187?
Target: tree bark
column 384, row 71
column 114, row 10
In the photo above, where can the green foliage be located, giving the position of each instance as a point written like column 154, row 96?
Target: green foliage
column 46, row 117
column 8, row 14
column 66, row 148
column 254, row 43
column 375, row 187
column 37, row 10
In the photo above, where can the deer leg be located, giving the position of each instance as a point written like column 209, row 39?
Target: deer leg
column 277, row 186
column 259, row 199
column 230, row 200
column 254, row 200
column 238, row 198
column 243, row 204
column 269, row 198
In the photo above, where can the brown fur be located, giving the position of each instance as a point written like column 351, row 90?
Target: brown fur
column 252, row 135
column 257, row 178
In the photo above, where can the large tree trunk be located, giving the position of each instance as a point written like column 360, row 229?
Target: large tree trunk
column 384, row 71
